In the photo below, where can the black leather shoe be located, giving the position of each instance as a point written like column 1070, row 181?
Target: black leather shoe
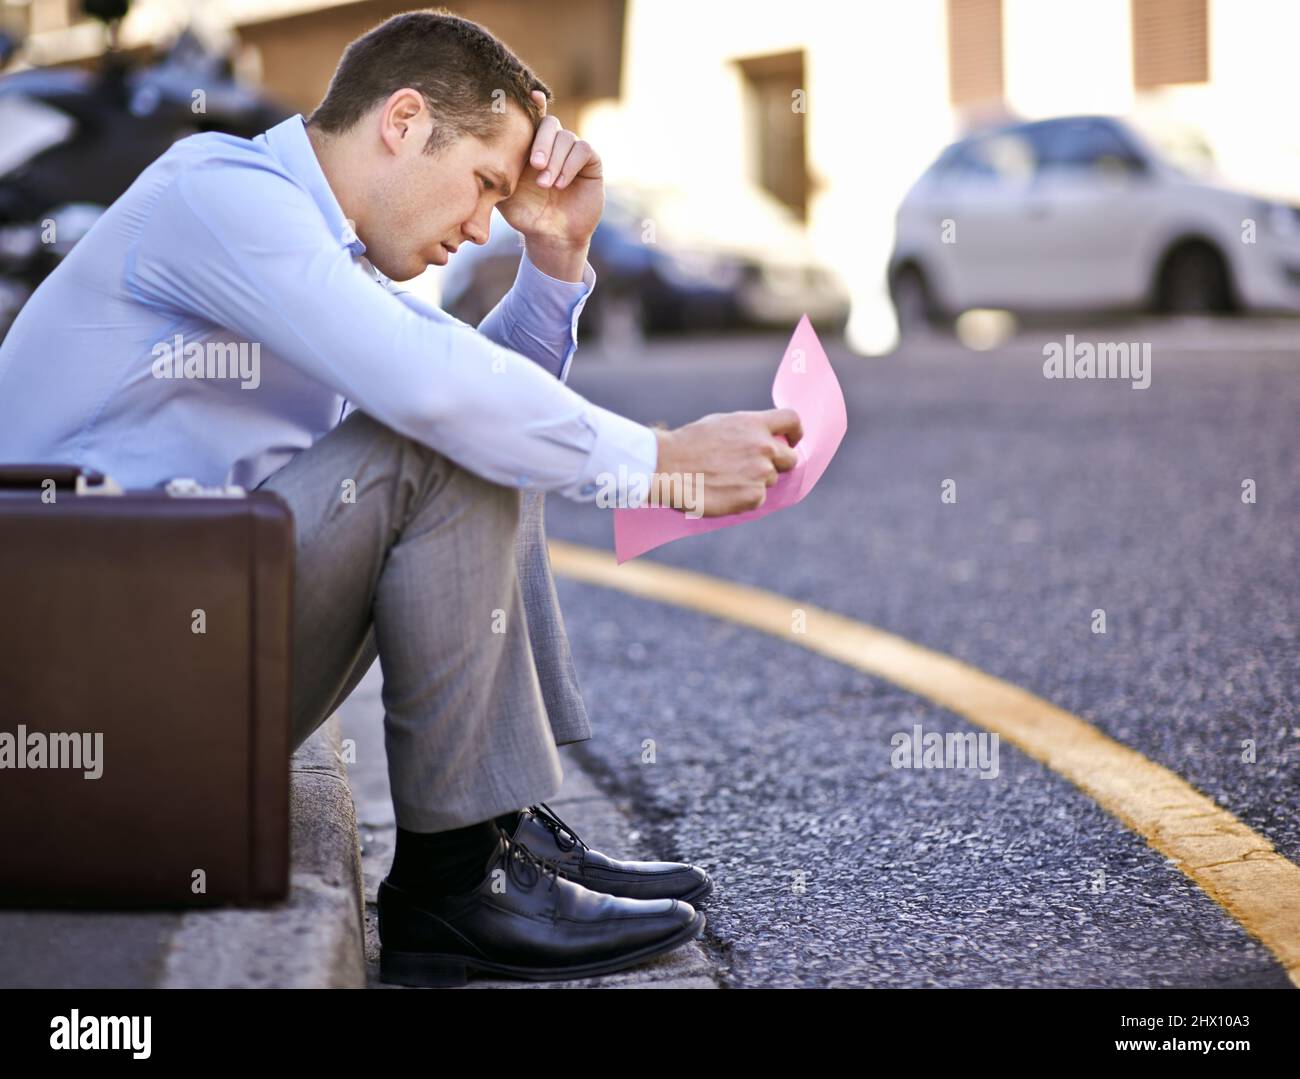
column 523, row 921
column 550, row 838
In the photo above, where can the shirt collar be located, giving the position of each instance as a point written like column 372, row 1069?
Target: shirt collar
column 289, row 142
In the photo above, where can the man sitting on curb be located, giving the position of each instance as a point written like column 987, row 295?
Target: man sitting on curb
column 413, row 449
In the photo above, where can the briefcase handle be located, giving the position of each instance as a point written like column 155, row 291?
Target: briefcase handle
column 86, row 481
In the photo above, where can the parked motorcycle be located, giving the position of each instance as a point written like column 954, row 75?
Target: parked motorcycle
column 72, row 141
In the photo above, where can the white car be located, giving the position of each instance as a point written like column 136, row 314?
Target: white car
column 1083, row 214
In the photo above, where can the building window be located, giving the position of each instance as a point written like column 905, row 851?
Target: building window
column 1170, row 42
column 974, row 51
column 776, row 102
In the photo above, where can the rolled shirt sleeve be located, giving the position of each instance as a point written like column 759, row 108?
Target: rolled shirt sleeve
column 539, row 316
column 261, row 265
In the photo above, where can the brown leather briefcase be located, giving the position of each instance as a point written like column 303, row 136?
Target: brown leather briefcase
column 144, row 692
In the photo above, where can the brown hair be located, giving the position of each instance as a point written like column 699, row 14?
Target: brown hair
column 463, row 72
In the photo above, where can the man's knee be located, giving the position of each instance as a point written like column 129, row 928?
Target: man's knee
column 429, row 475
column 503, row 505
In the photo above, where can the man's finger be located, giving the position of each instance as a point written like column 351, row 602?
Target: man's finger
column 580, row 156
column 784, row 421
column 560, row 153
column 543, row 141
column 576, row 159
column 784, row 458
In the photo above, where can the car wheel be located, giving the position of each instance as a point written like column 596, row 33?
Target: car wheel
column 1194, row 281
column 914, row 306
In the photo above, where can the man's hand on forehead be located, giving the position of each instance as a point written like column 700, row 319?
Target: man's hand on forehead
column 561, row 194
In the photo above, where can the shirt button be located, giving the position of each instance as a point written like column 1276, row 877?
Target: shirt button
column 522, row 481
column 588, row 488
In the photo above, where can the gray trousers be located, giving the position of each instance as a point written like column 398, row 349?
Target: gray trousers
column 405, row 555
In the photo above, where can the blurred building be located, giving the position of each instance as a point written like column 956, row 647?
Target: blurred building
column 292, row 46
column 827, row 109
column 714, row 99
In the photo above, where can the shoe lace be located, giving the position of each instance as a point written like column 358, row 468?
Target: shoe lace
column 525, row 867
column 565, row 837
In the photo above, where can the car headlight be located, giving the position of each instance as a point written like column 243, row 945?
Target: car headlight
column 1282, row 220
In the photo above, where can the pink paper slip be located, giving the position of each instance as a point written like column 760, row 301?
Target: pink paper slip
column 805, row 382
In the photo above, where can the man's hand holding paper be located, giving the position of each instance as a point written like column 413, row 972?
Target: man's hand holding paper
column 736, row 451
column 736, row 455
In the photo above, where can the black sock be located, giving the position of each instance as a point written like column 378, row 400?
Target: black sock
column 509, row 821
column 443, row 863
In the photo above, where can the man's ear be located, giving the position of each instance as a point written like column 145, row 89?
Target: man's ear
column 402, row 119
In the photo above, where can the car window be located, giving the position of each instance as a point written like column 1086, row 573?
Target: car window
column 30, row 127
column 1084, row 145
column 1002, row 158
column 622, row 212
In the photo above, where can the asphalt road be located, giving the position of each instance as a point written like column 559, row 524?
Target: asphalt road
column 772, row 764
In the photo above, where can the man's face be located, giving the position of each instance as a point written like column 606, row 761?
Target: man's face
column 427, row 201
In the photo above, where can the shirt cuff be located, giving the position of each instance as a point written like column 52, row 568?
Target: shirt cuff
column 621, row 463
column 543, row 314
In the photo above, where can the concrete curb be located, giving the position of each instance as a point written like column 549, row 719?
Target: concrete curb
column 312, row 940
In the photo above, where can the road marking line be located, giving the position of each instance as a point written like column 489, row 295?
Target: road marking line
column 1234, row 865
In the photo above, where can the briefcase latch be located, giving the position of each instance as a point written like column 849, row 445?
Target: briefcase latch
column 106, row 486
column 185, row 487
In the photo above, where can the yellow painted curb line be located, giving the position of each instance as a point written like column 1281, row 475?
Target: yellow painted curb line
column 1234, row 865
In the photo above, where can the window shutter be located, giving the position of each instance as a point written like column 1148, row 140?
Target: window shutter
column 1170, row 42
column 974, row 51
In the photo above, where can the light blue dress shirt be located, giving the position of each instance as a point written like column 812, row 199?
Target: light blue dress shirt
column 221, row 316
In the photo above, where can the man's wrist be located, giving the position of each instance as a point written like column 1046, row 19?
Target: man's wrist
column 560, row 259
column 661, row 478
